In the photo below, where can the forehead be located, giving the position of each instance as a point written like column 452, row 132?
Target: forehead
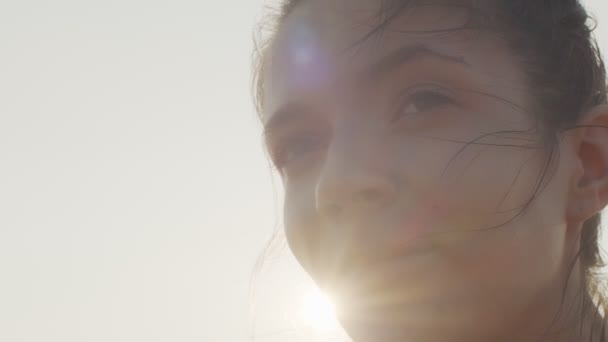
column 343, row 22
column 322, row 43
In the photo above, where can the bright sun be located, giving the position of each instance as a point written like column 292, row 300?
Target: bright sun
column 319, row 312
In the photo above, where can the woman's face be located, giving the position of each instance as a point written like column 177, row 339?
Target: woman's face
column 411, row 163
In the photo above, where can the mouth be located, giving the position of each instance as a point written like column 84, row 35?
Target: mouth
column 361, row 279
column 386, row 300
column 377, row 272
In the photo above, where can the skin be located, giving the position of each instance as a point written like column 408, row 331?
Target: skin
column 407, row 164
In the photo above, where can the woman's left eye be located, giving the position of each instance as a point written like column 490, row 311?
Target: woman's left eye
column 424, row 101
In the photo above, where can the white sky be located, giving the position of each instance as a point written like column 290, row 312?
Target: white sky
column 134, row 193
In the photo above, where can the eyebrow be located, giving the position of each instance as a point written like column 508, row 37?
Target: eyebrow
column 408, row 54
column 292, row 112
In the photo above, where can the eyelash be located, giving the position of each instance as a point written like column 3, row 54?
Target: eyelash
column 431, row 94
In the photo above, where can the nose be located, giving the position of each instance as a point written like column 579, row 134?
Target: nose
column 353, row 182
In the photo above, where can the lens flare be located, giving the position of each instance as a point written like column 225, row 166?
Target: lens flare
column 319, row 312
column 309, row 64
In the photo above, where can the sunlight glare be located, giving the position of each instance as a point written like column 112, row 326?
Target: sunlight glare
column 319, row 312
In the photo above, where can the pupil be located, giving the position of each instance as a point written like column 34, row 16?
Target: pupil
column 427, row 101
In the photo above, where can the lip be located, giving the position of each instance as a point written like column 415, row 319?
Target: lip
column 377, row 294
column 401, row 248
column 357, row 266
column 368, row 270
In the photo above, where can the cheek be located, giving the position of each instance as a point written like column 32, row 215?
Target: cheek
column 480, row 187
column 472, row 206
column 499, row 242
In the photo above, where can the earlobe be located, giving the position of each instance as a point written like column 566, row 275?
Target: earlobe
column 589, row 189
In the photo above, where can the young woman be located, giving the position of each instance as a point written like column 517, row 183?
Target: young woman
column 445, row 163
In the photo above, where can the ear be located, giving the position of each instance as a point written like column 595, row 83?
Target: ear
column 589, row 187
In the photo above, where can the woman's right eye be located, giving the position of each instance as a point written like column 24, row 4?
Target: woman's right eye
column 295, row 148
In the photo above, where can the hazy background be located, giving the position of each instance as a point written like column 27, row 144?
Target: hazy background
column 134, row 193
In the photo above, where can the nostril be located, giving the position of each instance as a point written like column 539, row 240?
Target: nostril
column 361, row 199
column 343, row 195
